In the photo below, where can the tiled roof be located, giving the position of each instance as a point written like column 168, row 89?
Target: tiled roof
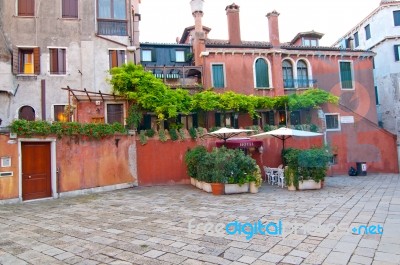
column 245, row 44
column 163, row 44
column 321, row 48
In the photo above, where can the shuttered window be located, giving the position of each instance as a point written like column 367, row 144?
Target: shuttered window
column 262, row 77
column 70, row 8
column 149, row 55
column 115, row 113
column 332, row 122
column 26, row 7
column 356, row 40
column 26, row 60
column 295, row 118
column 367, row 32
column 58, row 65
column 287, row 70
column 396, row 17
column 218, row 76
column 396, row 53
column 117, row 58
column 302, row 74
column 346, row 75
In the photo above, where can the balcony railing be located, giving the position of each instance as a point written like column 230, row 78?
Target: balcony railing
column 112, row 27
column 178, row 76
column 299, row 83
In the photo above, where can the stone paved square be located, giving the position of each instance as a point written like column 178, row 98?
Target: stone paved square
column 179, row 225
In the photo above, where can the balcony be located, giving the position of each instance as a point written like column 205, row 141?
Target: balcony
column 299, row 83
column 112, row 27
column 189, row 77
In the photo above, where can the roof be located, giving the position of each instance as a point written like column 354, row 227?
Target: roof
column 384, row 3
column 311, row 34
column 187, row 30
column 164, row 44
column 245, row 44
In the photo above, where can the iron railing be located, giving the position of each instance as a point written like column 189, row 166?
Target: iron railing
column 299, row 83
column 179, row 76
column 112, row 27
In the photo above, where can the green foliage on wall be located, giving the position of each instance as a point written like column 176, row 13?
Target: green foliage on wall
column 44, row 128
column 134, row 83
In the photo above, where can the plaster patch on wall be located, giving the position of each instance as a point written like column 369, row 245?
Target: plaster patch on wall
column 132, row 160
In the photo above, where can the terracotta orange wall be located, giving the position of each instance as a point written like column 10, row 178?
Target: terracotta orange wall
column 9, row 185
column 162, row 163
column 87, row 164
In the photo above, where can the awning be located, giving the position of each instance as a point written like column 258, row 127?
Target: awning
column 244, row 143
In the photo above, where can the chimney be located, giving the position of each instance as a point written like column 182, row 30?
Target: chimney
column 232, row 12
column 273, row 28
column 197, row 12
column 199, row 35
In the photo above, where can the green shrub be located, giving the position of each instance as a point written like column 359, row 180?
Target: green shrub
column 162, row 136
column 192, row 159
column 150, row 133
column 143, row 137
column 193, row 133
column 173, row 133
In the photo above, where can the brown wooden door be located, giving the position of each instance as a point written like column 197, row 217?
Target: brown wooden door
column 36, row 171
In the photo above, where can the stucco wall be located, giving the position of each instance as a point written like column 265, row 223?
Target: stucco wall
column 9, row 185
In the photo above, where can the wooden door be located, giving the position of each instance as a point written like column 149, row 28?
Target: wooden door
column 36, row 170
column 27, row 113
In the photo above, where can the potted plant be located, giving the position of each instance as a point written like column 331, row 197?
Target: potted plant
column 193, row 160
column 133, row 118
column 255, row 180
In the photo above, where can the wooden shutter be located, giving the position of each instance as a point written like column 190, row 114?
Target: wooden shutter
column 396, row 52
column 36, row 60
column 271, row 117
column 15, row 69
column 70, row 8
column 217, row 119
column 172, row 53
column 345, row 74
column 113, row 59
column 262, row 79
column 153, row 55
column 26, row 7
column 195, row 120
column 218, row 76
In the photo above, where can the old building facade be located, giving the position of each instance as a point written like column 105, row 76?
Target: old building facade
column 48, row 45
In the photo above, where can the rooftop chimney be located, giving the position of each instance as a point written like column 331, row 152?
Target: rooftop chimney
column 197, row 12
column 199, row 35
column 273, row 28
column 232, row 12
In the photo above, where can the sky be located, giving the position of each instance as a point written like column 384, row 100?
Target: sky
column 163, row 20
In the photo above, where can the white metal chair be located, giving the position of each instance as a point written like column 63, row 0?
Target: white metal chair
column 281, row 177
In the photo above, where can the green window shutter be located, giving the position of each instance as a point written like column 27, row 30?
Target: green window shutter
column 396, row 52
column 262, row 78
column 345, row 75
column 147, row 121
column 153, row 55
column 195, row 120
column 218, row 76
column 172, row 53
column 396, row 17
column 217, row 119
column 271, row 117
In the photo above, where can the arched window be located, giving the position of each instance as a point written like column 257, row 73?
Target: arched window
column 26, row 113
column 302, row 74
column 287, row 70
column 261, row 70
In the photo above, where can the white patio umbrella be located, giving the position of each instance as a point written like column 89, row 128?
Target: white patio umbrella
column 226, row 133
column 284, row 133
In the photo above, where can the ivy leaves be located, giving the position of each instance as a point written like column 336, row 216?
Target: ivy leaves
column 133, row 82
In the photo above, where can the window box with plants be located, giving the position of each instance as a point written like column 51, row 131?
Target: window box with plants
column 306, row 169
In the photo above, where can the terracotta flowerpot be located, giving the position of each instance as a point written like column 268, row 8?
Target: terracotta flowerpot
column 218, row 188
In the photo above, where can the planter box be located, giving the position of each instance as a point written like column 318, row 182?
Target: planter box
column 199, row 184
column 309, row 185
column 193, row 181
column 253, row 187
column 207, row 187
column 235, row 188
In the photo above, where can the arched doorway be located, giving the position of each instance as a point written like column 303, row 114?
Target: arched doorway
column 26, row 113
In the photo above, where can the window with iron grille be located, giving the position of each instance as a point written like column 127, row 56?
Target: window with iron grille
column 115, row 113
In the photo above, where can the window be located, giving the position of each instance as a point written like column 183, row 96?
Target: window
column 268, row 118
column 218, row 76
column 262, row 75
column 115, row 113
column 70, row 8
column 26, row 113
column 396, row 53
column 180, row 56
column 314, row 43
column 189, row 121
column 117, row 58
column 287, row 71
column 112, row 17
column 26, row 8
column 295, row 118
column 26, row 61
column 148, row 56
column 376, row 96
column 332, row 122
column 282, row 117
column 59, row 113
column 58, row 61
column 367, row 32
column 302, row 74
column 356, row 40
column 346, row 75
column 396, row 17
column 310, row 42
column 226, row 120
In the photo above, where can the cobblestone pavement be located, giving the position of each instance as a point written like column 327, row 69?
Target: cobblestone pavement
column 150, row 226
